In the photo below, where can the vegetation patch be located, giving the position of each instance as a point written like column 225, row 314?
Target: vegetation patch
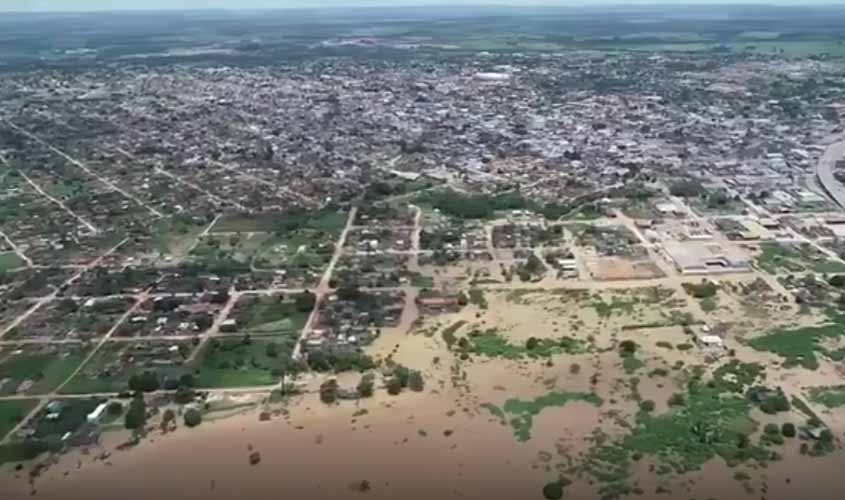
column 712, row 421
column 520, row 413
column 12, row 412
column 831, row 397
column 492, row 344
column 800, row 346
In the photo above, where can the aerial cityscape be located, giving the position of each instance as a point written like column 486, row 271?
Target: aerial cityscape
column 419, row 253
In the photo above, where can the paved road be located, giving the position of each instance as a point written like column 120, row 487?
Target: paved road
column 824, row 172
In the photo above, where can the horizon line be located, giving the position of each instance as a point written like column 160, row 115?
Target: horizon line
column 447, row 6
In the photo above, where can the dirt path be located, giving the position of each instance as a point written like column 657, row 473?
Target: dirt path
column 16, row 249
column 84, row 168
column 323, row 288
column 60, row 203
column 40, row 302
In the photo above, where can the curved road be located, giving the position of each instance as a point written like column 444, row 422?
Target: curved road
column 824, row 172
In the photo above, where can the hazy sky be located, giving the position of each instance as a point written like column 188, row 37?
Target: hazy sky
column 88, row 5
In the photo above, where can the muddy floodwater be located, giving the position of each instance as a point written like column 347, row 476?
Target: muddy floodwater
column 446, row 442
column 401, row 451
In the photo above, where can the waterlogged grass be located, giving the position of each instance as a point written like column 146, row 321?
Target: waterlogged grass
column 491, row 344
column 801, row 346
column 631, row 364
column 448, row 333
column 477, row 298
column 831, row 397
column 519, row 414
column 713, row 421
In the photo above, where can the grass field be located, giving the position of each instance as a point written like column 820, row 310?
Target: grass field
column 234, row 362
column 270, row 316
column 777, row 257
column 47, row 367
column 9, row 261
column 12, row 412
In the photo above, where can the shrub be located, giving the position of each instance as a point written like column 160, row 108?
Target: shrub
column 305, row 301
column 788, row 430
column 136, row 416
column 146, row 381
column 366, row 385
column 574, row 368
column 677, row 399
column 184, row 395
column 328, row 391
column 627, row 348
column 771, row 429
column 416, row 382
column 647, row 406
column 193, row 417
column 553, row 491
column 394, row 386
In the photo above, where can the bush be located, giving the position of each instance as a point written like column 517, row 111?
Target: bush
column 272, row 350
column 532, row 343
column 328, row 391
column 553, row 491
column 574, row 368
column 837, row 281
column 788, row 430
column 627, row 348
column 184, row 395
column 305, row 301
column 677, row 399
column 146, row 381
column 771, row 429
column 193, row 417
column 416, row 382
column 394, row 386
column 647, row 406
column 366, row 385
column 136, row 416
column 403, row 374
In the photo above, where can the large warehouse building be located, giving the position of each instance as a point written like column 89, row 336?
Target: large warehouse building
column 702, row 257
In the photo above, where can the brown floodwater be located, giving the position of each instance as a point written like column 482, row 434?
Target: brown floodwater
column 321, row 454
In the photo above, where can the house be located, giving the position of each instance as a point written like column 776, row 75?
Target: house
column 229, row 326
column 712, row 344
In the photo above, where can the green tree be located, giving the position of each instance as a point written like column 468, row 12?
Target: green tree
column 416, row 382
column 788, row 429
column 366, row 385
column 305, row 301
column 146, row 381
column 627, row 348
column 184, row 395
column 394, row 386
column 328, row 391
column 136, row 415
column 193, row 417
